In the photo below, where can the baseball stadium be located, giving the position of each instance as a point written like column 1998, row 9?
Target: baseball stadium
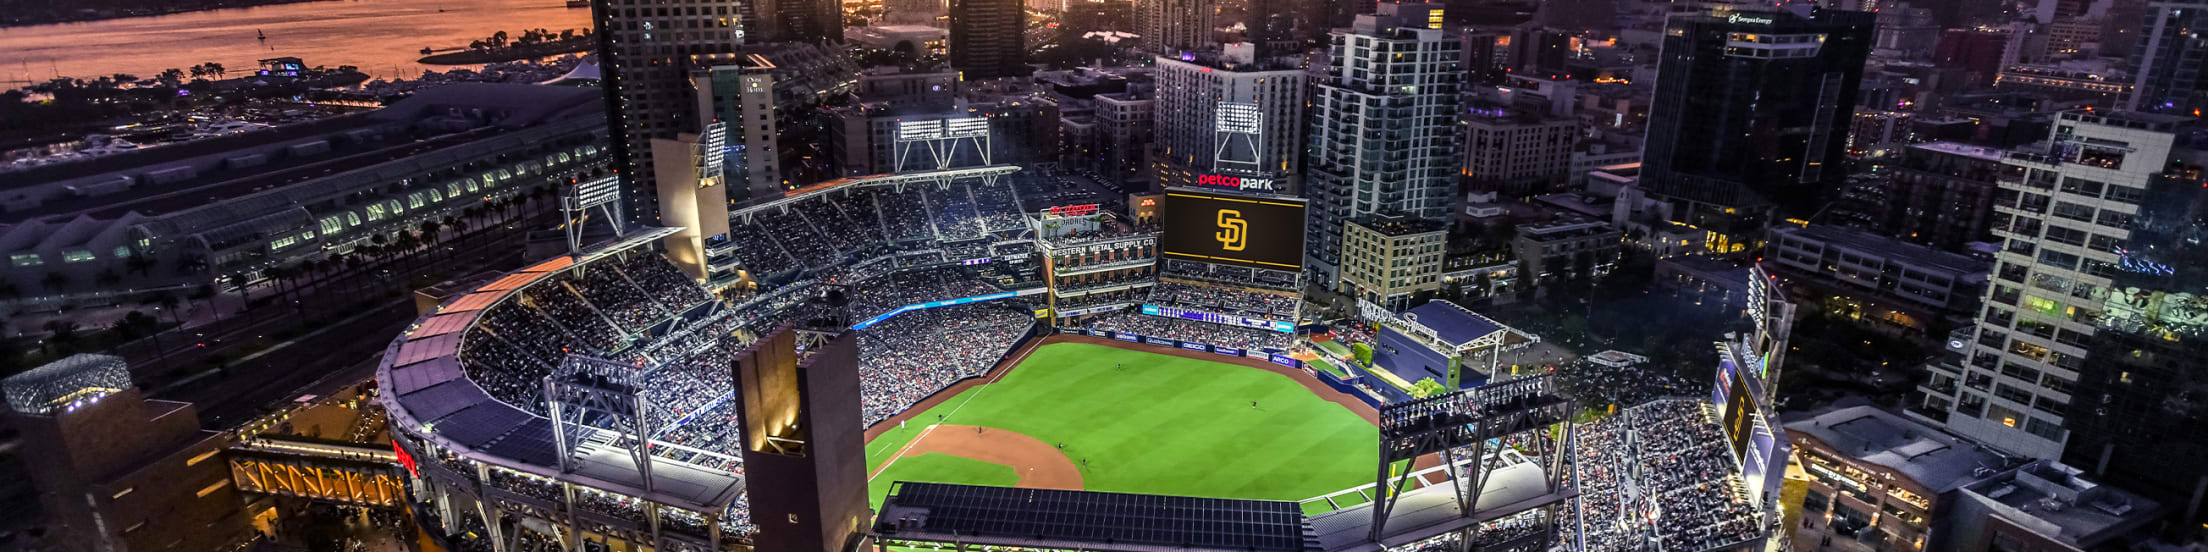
column 936, row 348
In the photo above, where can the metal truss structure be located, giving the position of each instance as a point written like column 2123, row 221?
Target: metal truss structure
column 1468, row 419
column 576, row 202
column 940, row 141
column 1239, row 132
column 588, row 394
column 823, row 320
column 356, row 483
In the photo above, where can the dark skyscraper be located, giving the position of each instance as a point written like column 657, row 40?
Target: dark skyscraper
column 643, row 46
column 988, row 38
column 1272, row 26
column 1751, row 116
column 799, row 21
column 2166, row 67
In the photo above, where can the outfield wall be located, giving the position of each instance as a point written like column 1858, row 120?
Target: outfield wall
column 1346, row 386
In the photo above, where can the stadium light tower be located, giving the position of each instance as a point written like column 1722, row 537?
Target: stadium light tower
column 941, row 141
column 603, row 194
column 1239, row 132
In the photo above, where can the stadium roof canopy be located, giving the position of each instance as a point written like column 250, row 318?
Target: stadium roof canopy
column 1088, row 520
column 1452, row 324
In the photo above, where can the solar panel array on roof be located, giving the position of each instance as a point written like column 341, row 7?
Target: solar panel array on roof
column 479, row 424
column 414, row 377
column 1452, row 323
column 473, row 301
column 425, row 349
column 551, row 265
column 443, row 399
column 531, row 443
column 442, row 324
column 1097, row 517
column 511, row 281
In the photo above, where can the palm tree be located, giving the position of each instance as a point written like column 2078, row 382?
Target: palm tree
column 276, row 276
column 198, row 71
column 139, row 264
column 169, row 303
column 108, row 278
column 216, row 70
column 64, row 335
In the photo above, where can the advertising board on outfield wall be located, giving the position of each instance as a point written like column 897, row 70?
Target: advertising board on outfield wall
column 1219, row 318
column 1283, row 360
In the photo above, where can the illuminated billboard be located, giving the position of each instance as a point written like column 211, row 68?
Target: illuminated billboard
column 1251, row 231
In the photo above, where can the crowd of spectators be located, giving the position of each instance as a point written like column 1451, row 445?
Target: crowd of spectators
column 845, row 233
column 912, row 355
column 1247, row 339
column 528, row 485
column 904, row 215
column 808, row 245
column 1660, row 475
column 953, row 209
column 1595, row 383
column 1230, row 274
column 1109, row 230
column 870, row 298
column 614, row 505
column 607, row 289
column 761, row 257
column 999, row 208
column 502, row 371
column 661, row 280
column 1098, row 280
column 918, row 225
column 1123, row 296
column 570, row 313
column 1224, row 299
column 737, row 519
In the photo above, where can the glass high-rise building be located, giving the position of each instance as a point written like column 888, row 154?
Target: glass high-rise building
column 2090, row 347
column 643, row 50
column 1751, row 116
column 1384, row 139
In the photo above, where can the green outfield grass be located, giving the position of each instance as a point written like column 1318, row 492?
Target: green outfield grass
column 1158, row 424
column 943, row 468
column 1329, row 367
column 1334, row 348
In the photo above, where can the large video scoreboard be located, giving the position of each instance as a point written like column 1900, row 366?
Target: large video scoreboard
column 1242, row 230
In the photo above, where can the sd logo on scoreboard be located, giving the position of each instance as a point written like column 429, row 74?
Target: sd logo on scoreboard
column 1245, row 230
